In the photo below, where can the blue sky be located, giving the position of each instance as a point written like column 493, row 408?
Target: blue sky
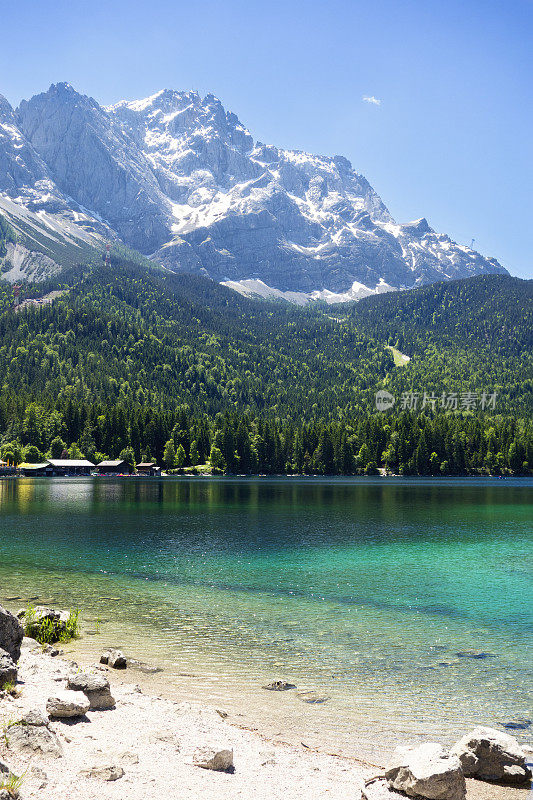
column 451, row 138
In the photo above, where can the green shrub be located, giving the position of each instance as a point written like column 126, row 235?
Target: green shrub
column 48, row 631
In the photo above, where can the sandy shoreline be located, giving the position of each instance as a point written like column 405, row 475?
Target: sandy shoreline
column 152, row 739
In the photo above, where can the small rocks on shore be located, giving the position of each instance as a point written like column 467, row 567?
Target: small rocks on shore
column 212, row 758
column 378, row 789
column 103, row 772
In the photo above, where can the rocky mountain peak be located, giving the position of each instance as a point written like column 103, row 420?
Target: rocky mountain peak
column 5, row 108
column 180, row 178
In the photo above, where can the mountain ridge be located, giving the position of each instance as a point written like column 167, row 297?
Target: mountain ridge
column 183, row 181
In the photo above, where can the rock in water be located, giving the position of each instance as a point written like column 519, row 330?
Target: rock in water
column 114, row 658
column 67, row 704
column 490, row 755
column 11, row 634
column 311, row 697
column 279, row 686
column 212, row 758
column 8, row 669
column 95, row 688
column 428, row 771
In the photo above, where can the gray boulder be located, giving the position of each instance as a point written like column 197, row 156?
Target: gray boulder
column 490, row 755
column 8, row 669
column 11, row 634
column 427, row 771
column 95, row 687
column 67, row 704
column 31, row 735
column 213, row 758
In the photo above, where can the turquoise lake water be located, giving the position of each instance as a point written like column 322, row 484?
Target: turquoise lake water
column 407, row 603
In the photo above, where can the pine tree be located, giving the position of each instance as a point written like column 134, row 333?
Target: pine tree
column 169, row 455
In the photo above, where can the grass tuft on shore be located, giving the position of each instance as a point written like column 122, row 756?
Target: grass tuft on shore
column 12, row 784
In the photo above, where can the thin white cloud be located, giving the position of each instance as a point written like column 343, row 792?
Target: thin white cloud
column 372, row 100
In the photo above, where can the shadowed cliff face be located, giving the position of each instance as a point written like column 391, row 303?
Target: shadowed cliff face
column 181, row 179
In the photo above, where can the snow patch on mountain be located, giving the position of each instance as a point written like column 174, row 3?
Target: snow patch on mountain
column 253, row 287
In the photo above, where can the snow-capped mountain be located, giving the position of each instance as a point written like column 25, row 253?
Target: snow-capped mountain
column 182, row 180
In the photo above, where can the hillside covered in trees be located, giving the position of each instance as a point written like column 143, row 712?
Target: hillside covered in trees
column 150, row 364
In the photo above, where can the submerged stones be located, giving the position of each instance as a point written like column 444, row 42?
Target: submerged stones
column 279, row 686
column 311, row 696
column 428, row 771
column 94, row 687
column 481, row 654
column 142, row 666
column 518, row 724
column 491, row 755
column 11, row 634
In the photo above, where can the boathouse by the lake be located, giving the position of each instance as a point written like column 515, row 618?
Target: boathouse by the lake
column 117, row 467
column 148, row 468
column 71, row 466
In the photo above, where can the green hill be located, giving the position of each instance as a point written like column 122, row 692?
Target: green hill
column 133, row 356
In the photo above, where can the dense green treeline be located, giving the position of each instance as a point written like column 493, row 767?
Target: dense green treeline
column 153, row 365
column 406, row 443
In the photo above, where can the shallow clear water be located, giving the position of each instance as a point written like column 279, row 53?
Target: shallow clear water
column 374, row 593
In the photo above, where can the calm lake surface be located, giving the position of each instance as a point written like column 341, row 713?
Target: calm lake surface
column 408, row 603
